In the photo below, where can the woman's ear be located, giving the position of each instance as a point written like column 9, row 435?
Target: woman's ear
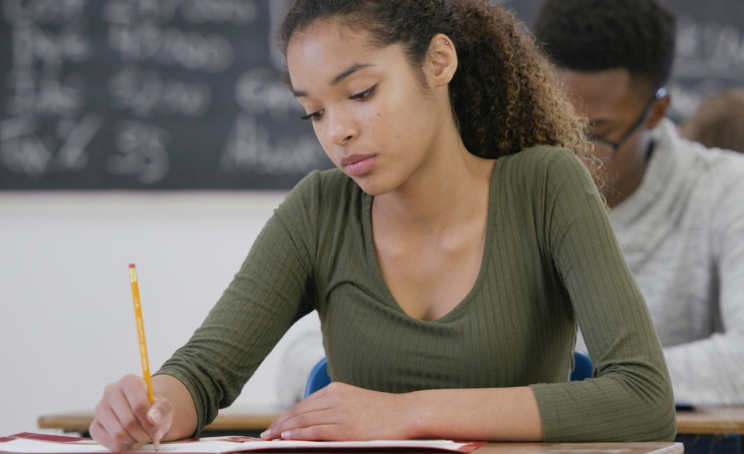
column 441, row 61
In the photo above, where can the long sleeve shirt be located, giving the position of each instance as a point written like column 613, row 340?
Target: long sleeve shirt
column 550, row 260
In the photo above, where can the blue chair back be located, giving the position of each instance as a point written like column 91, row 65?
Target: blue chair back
column 318, row 378
column 583, row 367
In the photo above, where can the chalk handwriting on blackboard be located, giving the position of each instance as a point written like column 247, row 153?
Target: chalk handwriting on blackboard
column 709, row 49
column 138, row 35
column 161, row 94
column 171, row 94
column 709, row 59
column 48, row 129
column 145, row 93
column 258, row 92
column 142, row 151
column 23, row 150
column 249, row 147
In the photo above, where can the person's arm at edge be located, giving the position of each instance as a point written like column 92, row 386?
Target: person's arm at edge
column 508, row 414
column 480, row 414
column 184, row 419
column 710, row 371
column 266, row 296
column 630, row 397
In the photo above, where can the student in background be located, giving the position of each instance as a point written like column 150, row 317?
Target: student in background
column 450, row 256
column 675, row 205
column 718, row 122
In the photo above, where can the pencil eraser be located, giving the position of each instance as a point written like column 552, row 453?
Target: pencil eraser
column 131, row 265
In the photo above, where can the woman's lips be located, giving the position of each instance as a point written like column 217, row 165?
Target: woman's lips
column 358, row 164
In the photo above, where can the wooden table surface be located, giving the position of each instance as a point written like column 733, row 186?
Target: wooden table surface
column 583, row 448
column 714, row 420
column 711, row 420
column 237, row 417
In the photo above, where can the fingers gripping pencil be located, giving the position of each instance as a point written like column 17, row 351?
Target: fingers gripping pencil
column 141, row 335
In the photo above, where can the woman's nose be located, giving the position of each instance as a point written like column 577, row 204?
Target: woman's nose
column 341, row 129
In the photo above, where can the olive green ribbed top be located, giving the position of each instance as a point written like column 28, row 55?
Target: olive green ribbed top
column 550, row 260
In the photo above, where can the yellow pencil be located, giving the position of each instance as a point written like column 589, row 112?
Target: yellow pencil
column 141, row 336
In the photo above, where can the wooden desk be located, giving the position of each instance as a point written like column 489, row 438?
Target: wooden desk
column 583, row 448
column 255, row 419
column 711, row 420
column 250, row 420
column 241, row 418
column 712, row 430
column 715, row 420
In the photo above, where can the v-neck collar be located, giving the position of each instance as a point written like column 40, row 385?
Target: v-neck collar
column 374, row 264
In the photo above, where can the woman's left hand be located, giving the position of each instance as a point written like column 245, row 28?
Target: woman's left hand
column 344, row 412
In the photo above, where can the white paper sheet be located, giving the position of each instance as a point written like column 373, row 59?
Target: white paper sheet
column 221, row 445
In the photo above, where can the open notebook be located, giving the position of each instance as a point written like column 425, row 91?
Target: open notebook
column 43, row 444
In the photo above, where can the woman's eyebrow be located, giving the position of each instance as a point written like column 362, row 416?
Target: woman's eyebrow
column 349, row 71
column 336, row 80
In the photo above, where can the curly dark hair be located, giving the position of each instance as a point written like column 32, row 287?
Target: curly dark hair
column 505, row 95
column 597, row 35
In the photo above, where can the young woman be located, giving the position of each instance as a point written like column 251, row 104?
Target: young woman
column 450, row 256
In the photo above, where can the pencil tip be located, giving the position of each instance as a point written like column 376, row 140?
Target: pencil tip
column 156, row 443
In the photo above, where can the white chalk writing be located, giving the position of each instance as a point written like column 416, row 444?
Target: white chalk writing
column 137, row 34
column 142, row 152
column 23, row 149
column 48, row 131
column 249, row 148
column 709, row 49
column 145, row 93
column 259, row 91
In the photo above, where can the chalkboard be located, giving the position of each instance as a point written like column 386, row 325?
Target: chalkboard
column 186, row 94
column 169, row 94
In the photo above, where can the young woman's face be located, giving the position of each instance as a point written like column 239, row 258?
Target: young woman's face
column 370, row 111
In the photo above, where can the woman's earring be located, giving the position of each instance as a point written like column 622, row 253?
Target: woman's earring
column 446, row 43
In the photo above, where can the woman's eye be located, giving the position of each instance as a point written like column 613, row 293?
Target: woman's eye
column 363, row 95
column 312, row 116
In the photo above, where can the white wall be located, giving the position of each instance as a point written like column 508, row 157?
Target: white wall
column 66, row 320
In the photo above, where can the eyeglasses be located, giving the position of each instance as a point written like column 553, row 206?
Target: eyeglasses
column 606, row 150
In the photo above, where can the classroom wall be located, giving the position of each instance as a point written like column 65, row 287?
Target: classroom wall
column 67, row 324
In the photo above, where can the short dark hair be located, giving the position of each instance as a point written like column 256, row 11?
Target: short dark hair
column 598, row 35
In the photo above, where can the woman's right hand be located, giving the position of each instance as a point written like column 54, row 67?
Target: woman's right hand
column 124, row 419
